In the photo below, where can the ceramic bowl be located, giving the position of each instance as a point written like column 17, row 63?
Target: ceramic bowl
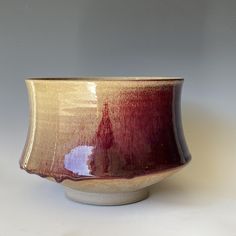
column 105, row 139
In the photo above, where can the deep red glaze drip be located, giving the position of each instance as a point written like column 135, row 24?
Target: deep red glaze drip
column 148, row 137
column 139, row 133
column 104, row 137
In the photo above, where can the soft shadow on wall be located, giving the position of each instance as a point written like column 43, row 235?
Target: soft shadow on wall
column 210, row 136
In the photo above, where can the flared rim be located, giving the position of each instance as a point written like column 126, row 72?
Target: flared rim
column 108, row 78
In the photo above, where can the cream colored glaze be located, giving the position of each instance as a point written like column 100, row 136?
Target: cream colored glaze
column 72, row 95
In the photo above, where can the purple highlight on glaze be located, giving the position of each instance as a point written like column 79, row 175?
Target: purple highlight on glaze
column 77, row 160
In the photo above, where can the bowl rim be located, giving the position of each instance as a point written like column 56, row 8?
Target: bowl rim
column 108, row 78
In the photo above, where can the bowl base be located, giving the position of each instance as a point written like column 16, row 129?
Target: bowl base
column 106, row 199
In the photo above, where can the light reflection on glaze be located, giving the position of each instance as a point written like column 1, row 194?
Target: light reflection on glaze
column 77, row 160
column 92, row 88
column 121, row 129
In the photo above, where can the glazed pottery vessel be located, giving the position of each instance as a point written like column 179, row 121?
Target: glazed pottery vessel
column 105, row 139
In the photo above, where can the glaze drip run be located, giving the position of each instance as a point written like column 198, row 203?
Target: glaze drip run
column 115, row 132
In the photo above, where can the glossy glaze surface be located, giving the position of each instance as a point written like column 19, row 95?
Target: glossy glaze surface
column 104, row 129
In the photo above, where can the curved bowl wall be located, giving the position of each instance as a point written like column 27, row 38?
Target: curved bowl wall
column 84, row 129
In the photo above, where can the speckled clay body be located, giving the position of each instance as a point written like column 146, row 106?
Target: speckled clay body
column 105, row 135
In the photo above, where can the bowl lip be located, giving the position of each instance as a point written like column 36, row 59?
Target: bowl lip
column 108, row 78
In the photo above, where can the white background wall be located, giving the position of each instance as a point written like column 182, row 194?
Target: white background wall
column 188, row 38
